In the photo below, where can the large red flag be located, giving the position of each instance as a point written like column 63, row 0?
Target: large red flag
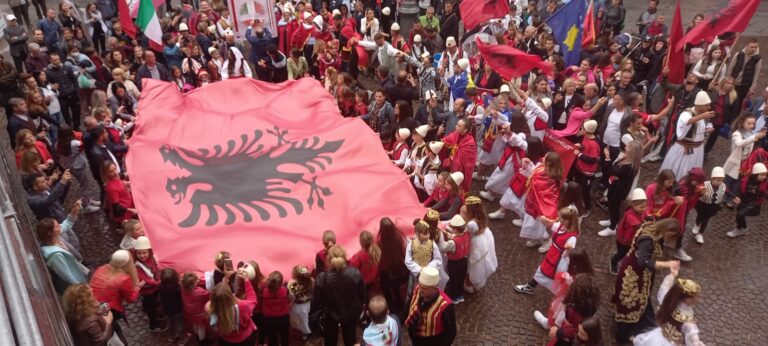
column 125, row 18
column 511, row 63
column 734, row 18
column 588, row 33
column 563, row 147
column 676, row 57
column 475, row 12
column 259, row 170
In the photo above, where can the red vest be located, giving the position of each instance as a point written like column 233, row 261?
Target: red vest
column 399, row 148
column 430, row 320
column 555, row 252
column 462, row 247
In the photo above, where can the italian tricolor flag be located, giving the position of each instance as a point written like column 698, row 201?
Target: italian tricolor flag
column 149, row 24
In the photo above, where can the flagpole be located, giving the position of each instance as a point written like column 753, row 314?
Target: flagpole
column 727, row 58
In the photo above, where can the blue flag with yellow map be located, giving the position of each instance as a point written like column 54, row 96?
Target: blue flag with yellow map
column 566, row 27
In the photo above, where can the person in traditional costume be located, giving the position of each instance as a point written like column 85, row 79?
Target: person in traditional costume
column 431, row 318
column 664, row 202
column 743, row 139
column 421, row 251
column 514, row 137
column 419, row 148
column 235, row 66
column 690, row 187
column 514, row 195
column 450, row 57
column 425, row 171
column 712, row 196
column 492, row 142
column 587, row 157
column 482, row 253
column 450, row 205
column 458, row 82
column 463, row 151
column 751, row 194
column 565, row 231
column 541, row 197
column 397, row 39
column 580, row 302
column 285, row 28
column 677, row 324
column 400, row 152
column 578, row 264
column 634, row 217
column 456, row 243
column 632, row 293
column 441, row 190
column 692, row 127
column 534, row 111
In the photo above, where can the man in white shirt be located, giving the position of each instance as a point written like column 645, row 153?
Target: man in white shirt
column 385, row 52
column 692, row 128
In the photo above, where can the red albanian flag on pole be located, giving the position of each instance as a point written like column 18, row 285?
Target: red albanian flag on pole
column 563, row 147
column 676, row 58
column 259, row 170
column 511, row 63
column 734, row 18
column 475, row 12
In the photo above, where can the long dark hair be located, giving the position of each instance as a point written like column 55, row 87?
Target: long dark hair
column 518, row 124
column 572, row 195
column 536, row 149
column 392, row 243
column 404, row 110
column 674, row 297
column 169, row 281
column 579, row 262
column 664, row 176
column 594, row 331
column 583, row 295
column 64, row 144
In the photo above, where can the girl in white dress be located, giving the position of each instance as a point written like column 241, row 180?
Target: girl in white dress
column 482, row 251
column 677, row 325
column 514, row 138
column 490, row 152
column 513, row 197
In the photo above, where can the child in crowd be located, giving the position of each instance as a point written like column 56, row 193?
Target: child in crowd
column 258, row 281
column 367, row 260
column 194, row 298
column 457, row 246
column 300, row 289
column 223, row 271
column 275, row 306
column 421, row 251
column 400, row 152
column 440, row 192
column 712, row 196
column 752, row 191
column 147, row 271
column 587, row 158
column 634, row 216
column 173, row 306
column 361, row 102
column 564, row 233
column 321, row 258
column 132, row 229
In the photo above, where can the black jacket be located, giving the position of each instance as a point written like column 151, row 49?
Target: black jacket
column 65, row 77
column 405, row 92
column 449, row 26
column 341, row 293
column 97, row 155
column 143, row 72
column 48, row 203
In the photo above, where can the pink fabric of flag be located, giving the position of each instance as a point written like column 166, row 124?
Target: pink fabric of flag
column 259, row 170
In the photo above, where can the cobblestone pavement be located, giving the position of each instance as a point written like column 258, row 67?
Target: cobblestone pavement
column 731, row 271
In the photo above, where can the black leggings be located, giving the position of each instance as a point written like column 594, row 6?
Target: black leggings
column 704, row 211
column 391, row 288
column 457, row 272
column 621, row 251
column 276, row 330
column 614, row 205
column 584, row 181
column 744, row 210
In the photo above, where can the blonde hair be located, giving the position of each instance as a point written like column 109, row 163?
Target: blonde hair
column 569, row 217
column 367, row 244
column 130, row 225
column 221, row 303
column 337, row 257
column 219, row 259
column 329, row 238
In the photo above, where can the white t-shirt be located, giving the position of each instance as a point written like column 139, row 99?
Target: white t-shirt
column 612, row 135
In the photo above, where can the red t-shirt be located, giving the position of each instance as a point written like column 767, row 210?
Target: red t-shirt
column 275, row 304
column 362, row 261
column 589, row 157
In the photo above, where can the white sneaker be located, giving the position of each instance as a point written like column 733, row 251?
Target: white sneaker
column 681, row 255
column 497, row 215
column 607, row 232
column 737, row 232
column 518, row 222
column 699, row 238
column 653, row 158
column 695, row 229
column 545, row 246
column 532, row 243
column 543, row 320
column 95, row 202
column 487, row 196
column 604, row 223
column 88, row 209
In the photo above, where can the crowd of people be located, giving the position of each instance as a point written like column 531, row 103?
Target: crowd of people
column 447, row 119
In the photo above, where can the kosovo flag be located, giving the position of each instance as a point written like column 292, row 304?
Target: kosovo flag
column 566, row 27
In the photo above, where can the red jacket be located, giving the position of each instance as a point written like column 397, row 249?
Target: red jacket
column 437, row 195
column 151, row 283
column 275, row 304
column 362, row 261
column 45, row 155
column 118, row 195
column 113, row 289
column 589, row 157
column 194, row 305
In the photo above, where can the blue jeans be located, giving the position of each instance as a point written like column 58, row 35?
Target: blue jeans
column 53, row 132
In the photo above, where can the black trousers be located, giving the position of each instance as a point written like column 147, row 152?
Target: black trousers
column 150, row 304
column 704, row 211
column 621, row 251
column 391, row 288
column 614, row 153
column 585, row 182
column 40, row 8
column 22, row 15
column 614, row 205
column 348, row 332
column 276, row 330
column 457, row 272
column 712, row 139
column 70, row 109
column 744, row 210
column 250, row 341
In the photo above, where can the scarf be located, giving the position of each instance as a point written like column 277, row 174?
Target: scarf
column 383, row 334
column 373, row 117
